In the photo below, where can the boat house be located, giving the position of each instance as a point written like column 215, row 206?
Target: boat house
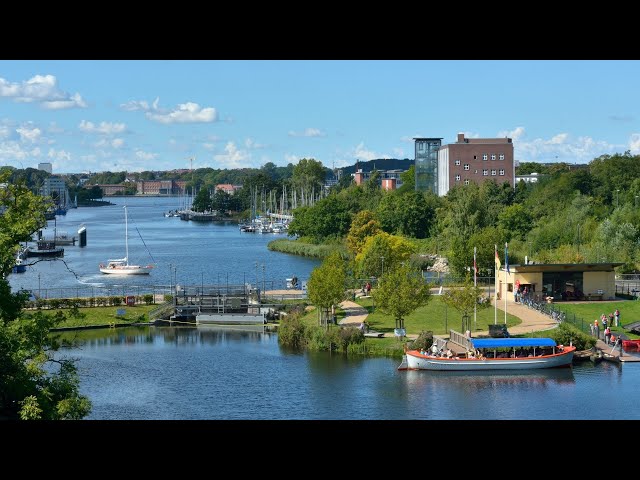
column 554, row 282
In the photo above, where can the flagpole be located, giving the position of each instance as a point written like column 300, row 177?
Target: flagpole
column 495, row 303
column 506, row 267
column 475, row 284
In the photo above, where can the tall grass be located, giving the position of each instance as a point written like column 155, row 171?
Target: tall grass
column 296, row 247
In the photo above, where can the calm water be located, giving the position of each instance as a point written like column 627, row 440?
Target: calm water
column 212, row 373
column 209, row 253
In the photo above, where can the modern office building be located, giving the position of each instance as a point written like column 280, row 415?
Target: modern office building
column 473, row 160
column 426, row 163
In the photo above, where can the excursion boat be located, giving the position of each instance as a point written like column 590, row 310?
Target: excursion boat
column 631, row 344
column 497, row 354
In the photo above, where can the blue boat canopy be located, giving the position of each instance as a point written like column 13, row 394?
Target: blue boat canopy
column 512, row 342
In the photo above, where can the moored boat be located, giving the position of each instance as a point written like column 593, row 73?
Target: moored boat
column 497, row 354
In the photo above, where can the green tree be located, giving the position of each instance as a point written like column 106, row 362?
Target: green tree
column 309, row 175
column 516, row 221
column 464, row 299
column 363, row 225
column 401, row 292
column 382, row 252
column 35, row 383
column 326, row 285
column 202, row 202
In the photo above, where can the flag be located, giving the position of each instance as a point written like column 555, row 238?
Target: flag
column 497, row 260
column 506, row 258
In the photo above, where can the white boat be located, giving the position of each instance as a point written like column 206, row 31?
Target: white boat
column 120, row 266
column 497, row 354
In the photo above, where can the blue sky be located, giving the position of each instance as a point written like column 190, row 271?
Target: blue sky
column 139, row 115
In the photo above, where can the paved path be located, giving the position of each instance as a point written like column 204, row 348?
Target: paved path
column 532, row 320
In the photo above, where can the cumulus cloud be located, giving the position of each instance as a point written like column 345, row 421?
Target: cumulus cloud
column 233, row 158
column 5, row 131
column 59, row 155
column 308, row 132
column 361, row 153
column 29, row 134
column 117, row 142
column 209, row 146
column 106, row 128
column 42, row 89
column 252, row 144
column 12, row 151
column 189, row 112
column 289, row 158
column 106, row 143
column 399, row 152
column 561, row 147
column 142, row 155
column 634, row 143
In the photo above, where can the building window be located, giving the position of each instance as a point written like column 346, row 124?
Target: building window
column 458, row 162
column 493, row 156
column 475, row 157
column 493, row 172
column 421, row 146
column 476, row 171
column 466, row 182
column 501, row 171
column 485, row 156
column 457, row 178
column 466, row 166
column 501, row 156
column 485, row 172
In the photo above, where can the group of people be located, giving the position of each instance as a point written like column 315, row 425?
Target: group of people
column 606, row 322
column 434, row 351
column 521, row 294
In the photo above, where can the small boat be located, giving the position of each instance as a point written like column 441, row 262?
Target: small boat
column 120, row 266
column 45, row 248
column 497, row 354
column 631, row 344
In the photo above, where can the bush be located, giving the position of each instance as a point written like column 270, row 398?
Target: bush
column 291, row 332
column 168, row 298
column 423, row 342
column 147, row 298
column 347, row 336
column 115, row 301
column 567, row 334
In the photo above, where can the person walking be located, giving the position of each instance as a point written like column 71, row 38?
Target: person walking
column 607, row 335
column 596, row 328
column 616, row 314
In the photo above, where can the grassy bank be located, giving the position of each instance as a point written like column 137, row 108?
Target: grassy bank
column 106, row 316
column 584, row 313
column 296, row 247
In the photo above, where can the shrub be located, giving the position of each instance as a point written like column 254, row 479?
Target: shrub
column 347, row 336
column 291, row 332
column 423, row 342
column 115, row 301
column 147, row 298
column 567, row 334
column 167, row 297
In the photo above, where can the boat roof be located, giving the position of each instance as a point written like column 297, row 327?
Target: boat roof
column 512, row 342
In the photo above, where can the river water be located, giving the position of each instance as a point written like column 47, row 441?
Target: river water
column 215, row 373
column 186, row 253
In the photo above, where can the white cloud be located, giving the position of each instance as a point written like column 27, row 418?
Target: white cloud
column 209, row 146
column 12, row 151
column 188, row 112
column 308, row 132
column 117, row 142
column 106, row 128
column 634, row 143
column 560, row 147
column 291, row 158
column 42, row 89
column 59, row 155
column 29, row 134
column 361, row 153
column 513, row 134
column 399, row 152
column 5, row 132
column 142, row 155
column 250, row 143
column 185, row 113
column 471, row 134
column 74, row 101
column 233, row 158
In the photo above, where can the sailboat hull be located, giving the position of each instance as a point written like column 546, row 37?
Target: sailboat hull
column 126, row 269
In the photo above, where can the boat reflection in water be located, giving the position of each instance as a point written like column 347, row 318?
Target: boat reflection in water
column 484, row 380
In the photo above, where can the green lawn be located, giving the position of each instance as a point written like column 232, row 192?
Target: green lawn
column 104, row 315
column 585, row 313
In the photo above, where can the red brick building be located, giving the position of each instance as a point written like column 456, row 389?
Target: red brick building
column 475, row 160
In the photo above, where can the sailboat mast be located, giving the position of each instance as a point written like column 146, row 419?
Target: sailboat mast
column 126, row 235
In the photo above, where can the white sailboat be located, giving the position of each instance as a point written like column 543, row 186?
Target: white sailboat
column 120, row 266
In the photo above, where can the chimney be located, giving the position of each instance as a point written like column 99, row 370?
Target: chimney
column 461, row 138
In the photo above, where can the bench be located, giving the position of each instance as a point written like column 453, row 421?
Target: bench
column 595, row 296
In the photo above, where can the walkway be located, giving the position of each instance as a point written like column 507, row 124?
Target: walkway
column 532, row 320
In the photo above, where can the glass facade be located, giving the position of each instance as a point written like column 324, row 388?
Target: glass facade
column 562, row 285
column 426, row 164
